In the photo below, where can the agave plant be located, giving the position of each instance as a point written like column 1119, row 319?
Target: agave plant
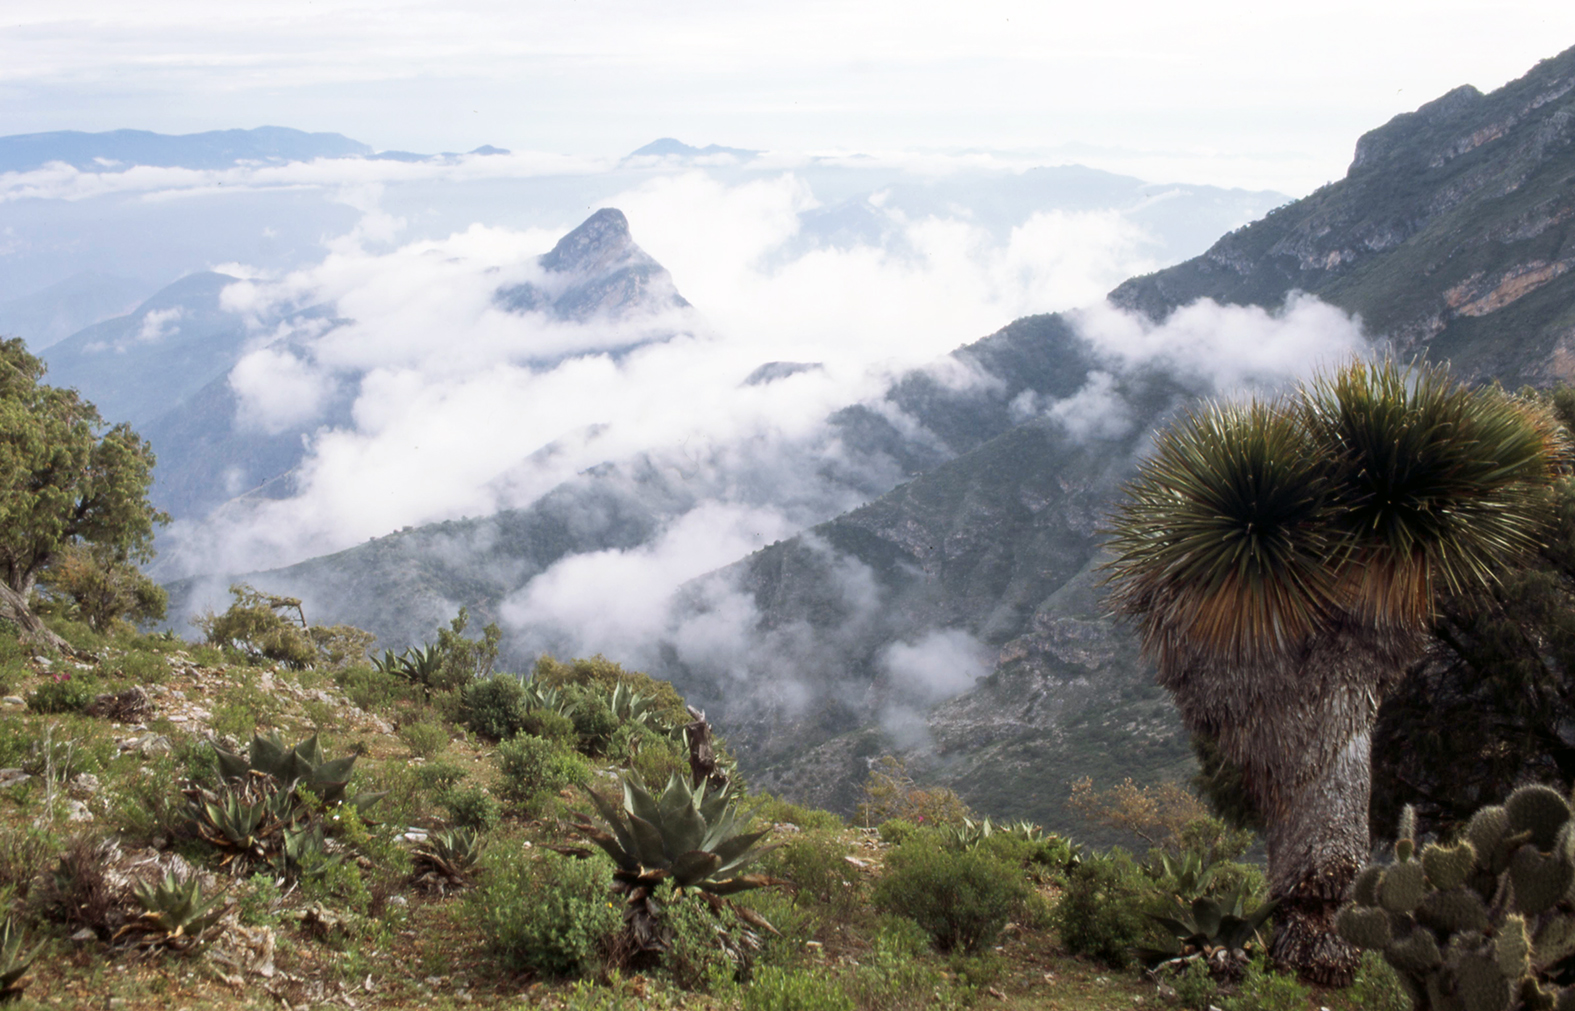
column 243, row 821
column 303, row 853
column 301, row 767
column 1209, row 928
column 1191, row 873
column 539, row 697
column 690, row 836
column 13, row 963
column 445, row 858
column 420, row 666
column 176, row 914
column 631, row 707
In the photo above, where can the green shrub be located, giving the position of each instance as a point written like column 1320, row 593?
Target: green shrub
column 533, row 769
column 1377, row 987
column 1195, row 987
column 962, row 899
column 62, row 693
column 604, row 675
column 695, row 958
column 895, row 977
column 778, row 989
column 896, row 831
column 139, row 667
column 371, row 689
column 473, row 808
column 437, row 778
column 544, row 912
column 1101, row 913
column 494, row 708
column 1263, row 989
column 795, row 925
column 775, row 811
column 424, row 739
column 594, row 720
column 553, row 726
column 814, row 862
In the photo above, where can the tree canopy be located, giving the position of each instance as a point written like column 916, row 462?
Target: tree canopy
column 65, row 478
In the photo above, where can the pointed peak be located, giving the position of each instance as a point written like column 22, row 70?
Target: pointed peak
column 603, row 235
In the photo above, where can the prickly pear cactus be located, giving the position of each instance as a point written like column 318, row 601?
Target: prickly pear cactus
column 1476, row 925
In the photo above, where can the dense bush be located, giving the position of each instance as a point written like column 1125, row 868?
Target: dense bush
column 778, row 989
column 594, row 720
column 962, row 899
column 473, row 808
column 554, row 726
column 1101, row 913
column 494, row 708
column 544, row 912
column 534, row 769
column 814, row 862
column 424, row 739
column 62, row 693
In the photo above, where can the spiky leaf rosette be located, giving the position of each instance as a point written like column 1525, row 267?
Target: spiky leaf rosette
column 1222, row 539
column 691, row 834
column 1434, row 484
column 14, row 962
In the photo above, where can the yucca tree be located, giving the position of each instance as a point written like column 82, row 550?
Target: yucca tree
column 1281, row 560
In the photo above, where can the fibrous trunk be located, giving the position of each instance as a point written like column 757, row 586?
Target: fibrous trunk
column 1301, row 731
column 13, row 607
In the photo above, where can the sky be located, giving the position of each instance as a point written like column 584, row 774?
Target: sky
column 1223, row 92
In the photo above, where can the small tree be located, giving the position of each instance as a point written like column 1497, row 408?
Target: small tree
column 64, row 479
column 105, row 587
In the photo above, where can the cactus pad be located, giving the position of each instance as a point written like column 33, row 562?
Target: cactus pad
column 1417, row 953
column 1456, row 910
column 1364, row 926
column 1487, row 831
column 1540, row 810
column 1364, row 890
column 1540, row 879
column 1482, row 987
column 1512, row 948
column 1402, row 886
column 1448, row 866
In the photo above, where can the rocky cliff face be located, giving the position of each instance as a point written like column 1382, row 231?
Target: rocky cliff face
column 1450, row 234
column 597, row 270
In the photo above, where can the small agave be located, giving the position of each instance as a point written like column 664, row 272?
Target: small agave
column 445, row 858
column 13, row 963
column 175, row 914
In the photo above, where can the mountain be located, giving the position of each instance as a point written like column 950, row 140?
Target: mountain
column 668, row 147
column 97, row 152
column 134, row 366
column 210, row 452
column 596, row 270
column 955, row 616
column 54, row 313
column 1452, row 233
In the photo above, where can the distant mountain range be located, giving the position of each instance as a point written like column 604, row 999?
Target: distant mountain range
column 1450, row 235
column 216, row 149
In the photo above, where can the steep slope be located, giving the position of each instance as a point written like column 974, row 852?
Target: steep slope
column 49, row 316
column 135, row 366
column 1451, row 234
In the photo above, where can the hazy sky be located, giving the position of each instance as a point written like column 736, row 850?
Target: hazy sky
column 1244, row 93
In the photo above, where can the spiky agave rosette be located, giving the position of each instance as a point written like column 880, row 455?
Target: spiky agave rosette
column 692, row 837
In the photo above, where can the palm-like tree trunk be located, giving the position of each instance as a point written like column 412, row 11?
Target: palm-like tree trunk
column 1301, row 731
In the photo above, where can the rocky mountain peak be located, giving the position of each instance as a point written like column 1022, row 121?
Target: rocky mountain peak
column 599, row 241
column 603, row 273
